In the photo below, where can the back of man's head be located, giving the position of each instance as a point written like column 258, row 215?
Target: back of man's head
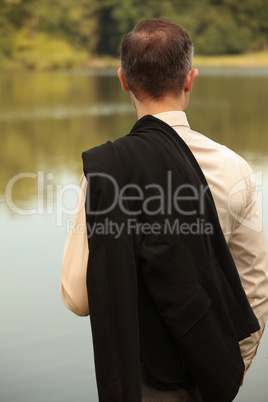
column 156, row 58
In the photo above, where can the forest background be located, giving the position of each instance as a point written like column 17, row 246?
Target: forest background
column 49, row 34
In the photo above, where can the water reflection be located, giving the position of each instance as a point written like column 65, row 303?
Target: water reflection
column 62, row 112
column 46, row 121
column 232, row 110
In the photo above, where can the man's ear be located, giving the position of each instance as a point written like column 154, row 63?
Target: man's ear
column 191, row 76
column 122, row 80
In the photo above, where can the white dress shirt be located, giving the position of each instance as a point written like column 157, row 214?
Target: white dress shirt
column 231, row 182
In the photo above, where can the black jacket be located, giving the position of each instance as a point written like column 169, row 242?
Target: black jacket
column 166, row 290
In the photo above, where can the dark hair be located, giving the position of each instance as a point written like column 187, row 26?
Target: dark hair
column 156, row 58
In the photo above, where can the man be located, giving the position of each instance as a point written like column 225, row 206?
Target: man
column 143, row 281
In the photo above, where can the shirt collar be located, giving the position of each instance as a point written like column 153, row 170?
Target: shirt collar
column 173, row 118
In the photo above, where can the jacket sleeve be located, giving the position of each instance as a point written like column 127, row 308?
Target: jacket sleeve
column 112, row 293
column 248, row 247
column 75, row 258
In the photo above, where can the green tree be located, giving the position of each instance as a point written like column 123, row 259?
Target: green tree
column 98, row 26
column 13, row 14
column 219, row 33
column 254, row 15
column 73, row 20
column 7, row 35
column 117, row 18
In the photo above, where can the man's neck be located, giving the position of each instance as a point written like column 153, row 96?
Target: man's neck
column 153, row 106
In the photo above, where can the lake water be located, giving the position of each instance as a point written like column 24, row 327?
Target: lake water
column 46, row 120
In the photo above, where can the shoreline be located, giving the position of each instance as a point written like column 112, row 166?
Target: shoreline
column 258, row 59
column 248, row 60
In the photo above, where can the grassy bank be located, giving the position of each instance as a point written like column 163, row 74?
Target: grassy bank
column 258, row 59
column 57, row 56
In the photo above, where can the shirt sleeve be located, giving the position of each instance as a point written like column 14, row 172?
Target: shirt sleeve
column 73, row 287
column 249, row 250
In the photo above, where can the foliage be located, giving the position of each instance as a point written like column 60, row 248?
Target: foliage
column 220, row 36
column 46, row 52
column 59, row 31
column 7, row 34
column 216, row 26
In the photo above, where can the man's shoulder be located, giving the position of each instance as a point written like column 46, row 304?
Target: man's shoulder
column 211, row 151
column 95, row 157
column 110, row 155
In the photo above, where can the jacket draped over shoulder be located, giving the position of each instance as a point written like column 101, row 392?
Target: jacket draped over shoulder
column 162, row 285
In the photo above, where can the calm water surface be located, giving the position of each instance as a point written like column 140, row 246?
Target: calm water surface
column 46, row 121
